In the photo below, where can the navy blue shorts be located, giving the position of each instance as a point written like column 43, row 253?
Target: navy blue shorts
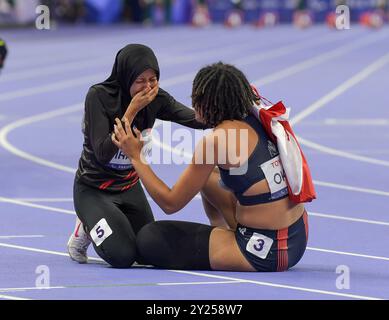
column 273, row 250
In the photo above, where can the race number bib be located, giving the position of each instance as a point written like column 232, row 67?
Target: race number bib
column 275, row 175
column 120, row 161
column 100, row 232
column 259, row 245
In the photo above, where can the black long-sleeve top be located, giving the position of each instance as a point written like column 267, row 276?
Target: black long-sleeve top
column 102, row 164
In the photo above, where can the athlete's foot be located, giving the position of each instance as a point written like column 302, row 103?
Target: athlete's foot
column 78, row 244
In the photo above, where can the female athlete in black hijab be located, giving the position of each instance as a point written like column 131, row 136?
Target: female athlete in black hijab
column 3, row 53
column 108, row 197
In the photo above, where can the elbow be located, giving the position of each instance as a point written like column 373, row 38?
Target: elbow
column 170, row 207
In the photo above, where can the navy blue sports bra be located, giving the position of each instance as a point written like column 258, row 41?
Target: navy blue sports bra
column 263, row 163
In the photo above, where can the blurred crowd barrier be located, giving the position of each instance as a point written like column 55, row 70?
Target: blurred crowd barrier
column 197, row 12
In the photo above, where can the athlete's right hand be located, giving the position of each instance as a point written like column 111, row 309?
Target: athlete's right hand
column 143, row 98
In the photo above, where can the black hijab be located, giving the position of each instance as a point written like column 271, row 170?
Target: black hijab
column 3, row 52
column 130, row 62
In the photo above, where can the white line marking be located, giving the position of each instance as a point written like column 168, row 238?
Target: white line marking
column 317, row 182
column 360, row 76
column 356, row 122
column 308, row 248
column 52, row 87
column 198, row 283
column 29, row 289
column 317, row 60
column 189, row 76
column 339, row 90
column 25, row 121
column 350, row 188
column 44, row 199
column 77, row 65
column 268, row 284
column 57, row 253
column 60, row 85
column 77, row 107
column 274, row 285
column 37, row 206
column 343, row 154
column 285, row 50
column 336, row 217
column 197, row 197
column 114, row 285
column 22, row 236
column 348, row 254
column 12, row 297
column 5, row 131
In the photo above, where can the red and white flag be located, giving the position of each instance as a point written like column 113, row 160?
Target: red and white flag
column 274, row 119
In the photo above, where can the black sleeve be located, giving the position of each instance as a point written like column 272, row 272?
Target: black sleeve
column 98, row 128
column 175, row 111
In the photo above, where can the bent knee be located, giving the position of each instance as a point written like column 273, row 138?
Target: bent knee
column 118, row 254
column 147, row 241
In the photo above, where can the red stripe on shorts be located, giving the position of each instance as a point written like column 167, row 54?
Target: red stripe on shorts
column 305, row 218
column 282, row 239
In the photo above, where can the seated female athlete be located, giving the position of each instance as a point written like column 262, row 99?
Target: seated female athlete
column 266, row 230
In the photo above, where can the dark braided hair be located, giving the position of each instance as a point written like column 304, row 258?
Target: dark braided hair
column 222, row 92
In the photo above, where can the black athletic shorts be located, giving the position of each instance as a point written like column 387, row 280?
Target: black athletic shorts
column 274, row 250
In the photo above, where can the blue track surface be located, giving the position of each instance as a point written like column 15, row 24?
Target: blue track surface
column 339, row 79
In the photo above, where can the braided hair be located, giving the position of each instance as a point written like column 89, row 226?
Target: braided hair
column 222, row 92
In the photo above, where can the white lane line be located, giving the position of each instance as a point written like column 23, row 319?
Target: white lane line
column 198, row 283
column 310, row 248
column 22, row 236
column 57, row 253
column 317, row 182
column 25, row 121
column 51, row 87
column 339, row 90
column 275, row 285
column 46, row 71
column 30, row 289
column 2, row 296
column 268, row 284
column 337, row 217
column 98, row 62
column 275, row 53
column 77, row 107
column 343, row 253
column 197, row 197
column 356, row 122
column 115, row 42
column 285, row 50
column 189, row 76
column 21, row 289
column 340, row 153
column 36, row 206
column 44, row 199
column 317, row 60
column 351, row 188
column 5, row 131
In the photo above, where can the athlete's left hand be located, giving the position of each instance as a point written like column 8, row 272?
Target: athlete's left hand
column 126, row 141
